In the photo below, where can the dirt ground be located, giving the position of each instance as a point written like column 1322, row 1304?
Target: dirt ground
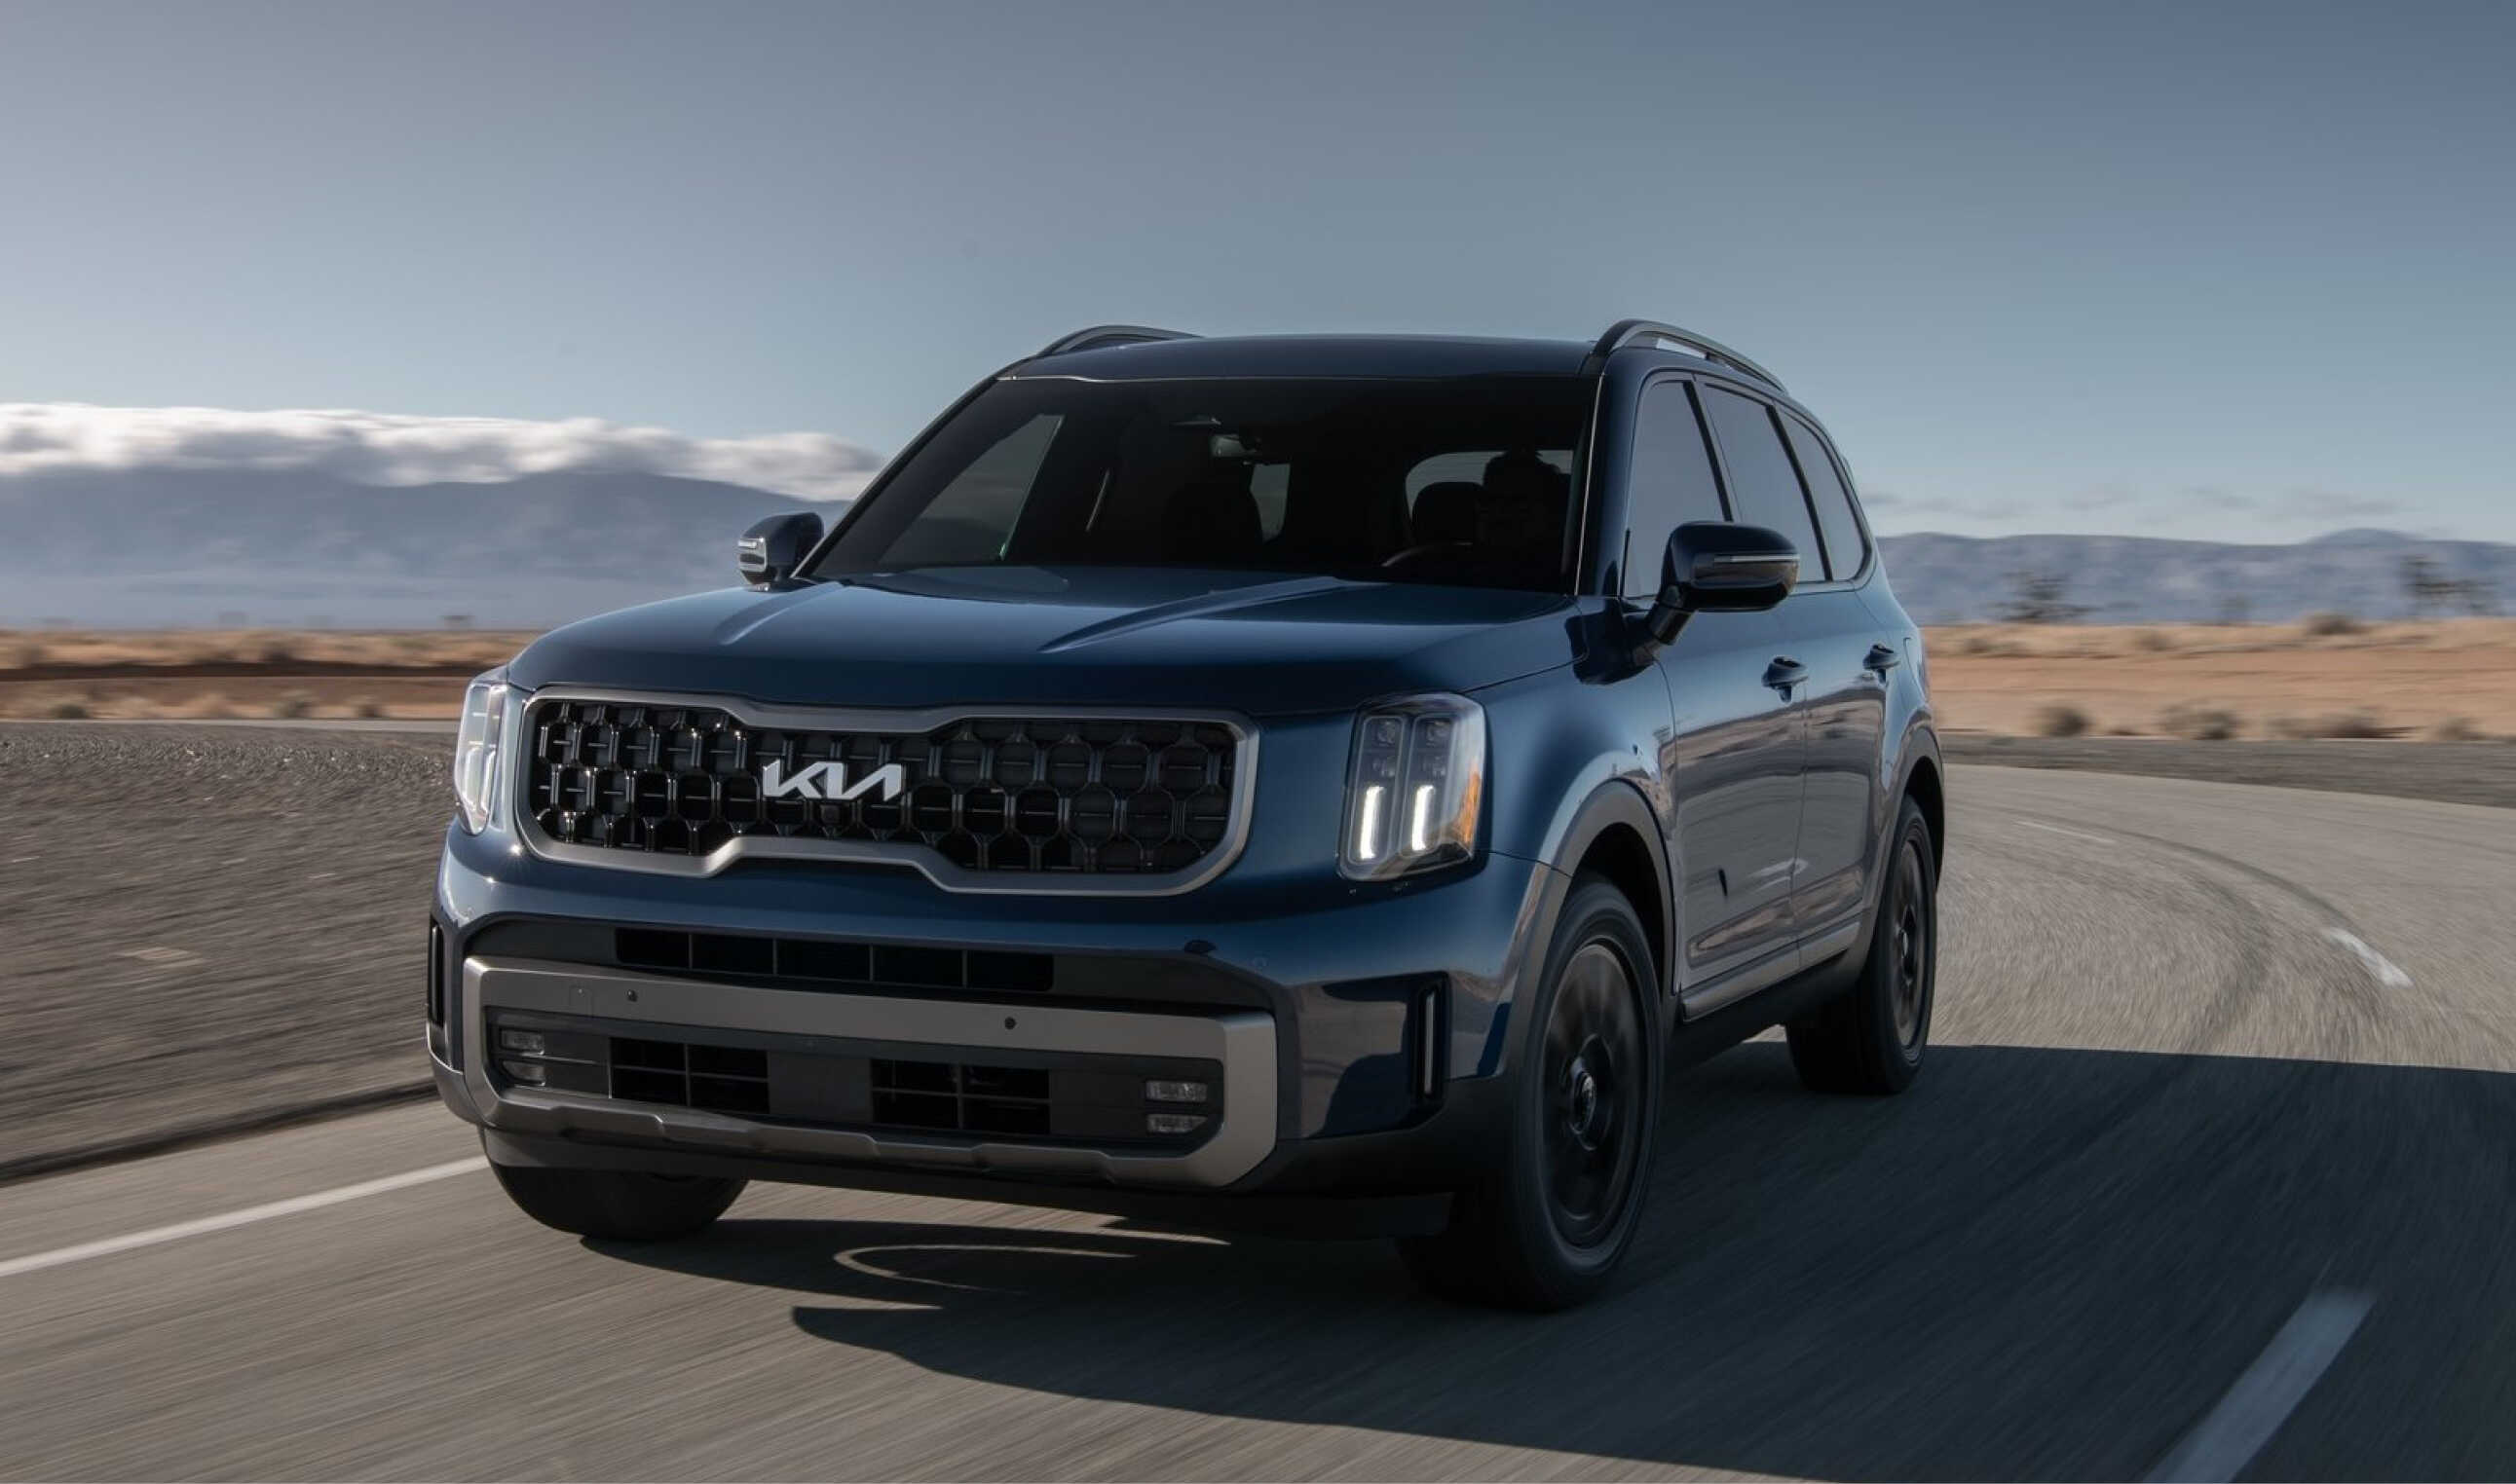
column 2447, row 680
column 2453, row 680
column 203, row 674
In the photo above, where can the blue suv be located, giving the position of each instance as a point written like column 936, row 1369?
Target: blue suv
column 1316, row 784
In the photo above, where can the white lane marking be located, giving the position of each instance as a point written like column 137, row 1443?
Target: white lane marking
column 2262, row 1399
column 2387, row 972
column 38, row 1261
column 2055, row 829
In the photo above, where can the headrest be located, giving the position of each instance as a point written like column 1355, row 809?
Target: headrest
column 1518, row 475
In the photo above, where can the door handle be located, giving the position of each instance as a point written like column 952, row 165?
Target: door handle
column 1785, row 673
column 1882, row 659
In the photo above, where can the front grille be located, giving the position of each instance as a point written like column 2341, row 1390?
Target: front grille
column 951, row 1095
column 816, row 961
column 721, row 1079
column 995, row 794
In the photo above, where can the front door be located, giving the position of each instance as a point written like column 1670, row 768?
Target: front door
column 1734, row 764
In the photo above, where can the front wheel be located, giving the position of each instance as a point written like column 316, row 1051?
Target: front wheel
column 623, row 1205
column 1872, row 1039
column 1548, row 1227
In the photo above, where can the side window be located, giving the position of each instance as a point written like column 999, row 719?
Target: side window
column 1269, row 486
column 1764, row 488
column 971, row 519
column 1845, row 550
column 1670, row 485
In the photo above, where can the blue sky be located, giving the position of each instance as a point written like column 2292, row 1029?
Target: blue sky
column 2234, row 271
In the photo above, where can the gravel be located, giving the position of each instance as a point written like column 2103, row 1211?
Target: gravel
column 204, row 927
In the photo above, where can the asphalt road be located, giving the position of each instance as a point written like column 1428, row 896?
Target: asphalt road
column 2213, row 1167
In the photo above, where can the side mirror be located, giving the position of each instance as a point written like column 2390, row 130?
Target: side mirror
column 770, row 552
column 1717, row 567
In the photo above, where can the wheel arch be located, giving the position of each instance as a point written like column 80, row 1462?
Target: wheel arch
column 1615, row 836
column 1923, row 785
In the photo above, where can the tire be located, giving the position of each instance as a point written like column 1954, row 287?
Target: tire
column 618, row 1206
column 1547, row 1229
column 1872, row 1039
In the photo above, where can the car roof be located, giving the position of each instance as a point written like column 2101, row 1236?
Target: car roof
column 1359, row 355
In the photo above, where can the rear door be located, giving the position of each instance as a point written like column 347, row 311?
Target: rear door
column 1733, row 758
column 1848, row 654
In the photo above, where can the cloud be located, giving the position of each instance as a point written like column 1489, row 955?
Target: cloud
column 390, row 448
column 2335, row 505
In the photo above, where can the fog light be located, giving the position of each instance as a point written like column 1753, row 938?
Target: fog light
column 529, row 1043
column 1174, row 1091
column 526, row 1072
column 1173, row 1122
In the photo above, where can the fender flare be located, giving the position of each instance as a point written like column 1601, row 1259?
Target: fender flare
column 1921, row 745
column 1620, row 801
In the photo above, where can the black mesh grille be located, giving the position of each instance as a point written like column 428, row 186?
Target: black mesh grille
column 985, row 794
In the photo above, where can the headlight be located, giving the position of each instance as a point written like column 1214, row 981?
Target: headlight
column 478, row 744
column 1417, row 783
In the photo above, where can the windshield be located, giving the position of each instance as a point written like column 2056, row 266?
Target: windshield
column 1465, row 481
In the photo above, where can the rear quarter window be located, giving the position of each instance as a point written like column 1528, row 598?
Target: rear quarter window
column 1845, row 548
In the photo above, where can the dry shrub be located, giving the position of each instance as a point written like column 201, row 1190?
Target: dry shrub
column 367, row 708
column 2457, row 730
column 2199, row 724
column 2152, row 640
column 294, row 705
column 2058, row 720
column 275, row 652
column 2329, row 624
column 1982, row 646
column 68, row 710
column 2360, row 723
column 27, row 656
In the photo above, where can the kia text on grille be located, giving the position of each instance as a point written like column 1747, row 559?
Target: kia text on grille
column 830, row 780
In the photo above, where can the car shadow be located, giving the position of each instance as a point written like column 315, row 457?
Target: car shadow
column 2038, row 1264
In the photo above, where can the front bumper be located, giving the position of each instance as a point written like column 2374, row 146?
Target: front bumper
column 1360, row 1027
column 1242, row 1042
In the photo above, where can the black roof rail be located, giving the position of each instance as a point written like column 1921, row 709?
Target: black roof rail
column 1111, row 335
column 1626, row 332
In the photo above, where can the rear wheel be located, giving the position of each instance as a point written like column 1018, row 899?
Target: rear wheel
column 1548, row 1227
column 1872, row 1039
column 622, row 1206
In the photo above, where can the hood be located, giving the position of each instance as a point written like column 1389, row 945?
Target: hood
column 1257, row 643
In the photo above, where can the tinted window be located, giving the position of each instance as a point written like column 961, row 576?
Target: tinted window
column 1763, row 487
column 1844, row 548
column 1672, row 484
column 968, row 519
column 1289, row 473
column 1270, row 485
column 1469, row 465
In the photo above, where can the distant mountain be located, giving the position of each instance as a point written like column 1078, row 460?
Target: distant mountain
column 289, row 546
column 2137, row 579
